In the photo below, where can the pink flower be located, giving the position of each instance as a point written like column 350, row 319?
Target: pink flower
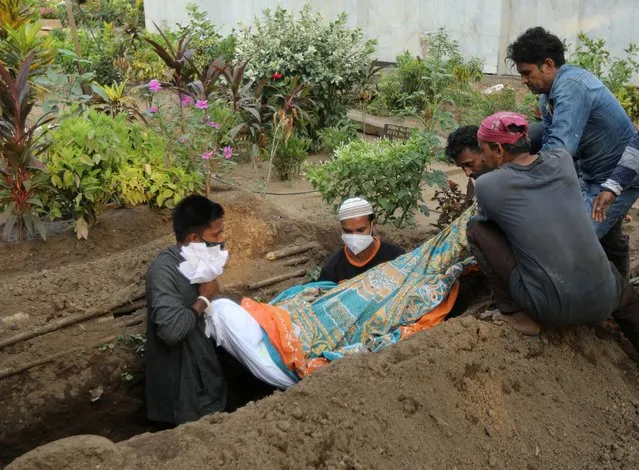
column 207, row 155
column 214, row 125
column 276, row 76
column 153, row 109
column 154, row 85
column 182, row 139
column 186, row 100
column 202, row 104
column 228, row 152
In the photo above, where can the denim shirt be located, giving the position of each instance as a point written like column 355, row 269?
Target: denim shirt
column 582, row 115
column 628, row 168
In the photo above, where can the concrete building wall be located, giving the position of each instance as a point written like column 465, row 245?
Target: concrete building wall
column 484, row 28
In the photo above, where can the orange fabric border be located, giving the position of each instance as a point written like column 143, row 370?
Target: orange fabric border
column 277, row 324
column 434, row 317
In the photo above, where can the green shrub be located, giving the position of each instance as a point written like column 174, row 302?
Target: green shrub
column 328, row 55
column 192, row 132
column 332, row 138
column 628, row 96
column 290, row 156
column 96, row 158
column 98, row 55
column 15, row 14
column 143, row 65
column 20, row 42
column 86, row 152
column 207, row 43
column 474, row 106
column 387, row 97
column 424, row 84
column 390, row 174
column 400, row 91
column 615, row 72
column 98, row 12
column 222, row 112
column 150, row 175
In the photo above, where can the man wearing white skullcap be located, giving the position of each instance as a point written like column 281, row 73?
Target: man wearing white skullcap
column 362, row 250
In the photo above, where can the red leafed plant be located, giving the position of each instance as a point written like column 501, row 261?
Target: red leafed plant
column 22, row 175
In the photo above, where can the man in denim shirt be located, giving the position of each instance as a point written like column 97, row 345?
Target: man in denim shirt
column 581, row 115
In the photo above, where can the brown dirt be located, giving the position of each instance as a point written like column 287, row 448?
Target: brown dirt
column 466, row 395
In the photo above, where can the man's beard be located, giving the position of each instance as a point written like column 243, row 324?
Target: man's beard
column 535, row 91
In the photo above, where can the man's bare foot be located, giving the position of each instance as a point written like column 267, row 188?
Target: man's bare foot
column 522, row 323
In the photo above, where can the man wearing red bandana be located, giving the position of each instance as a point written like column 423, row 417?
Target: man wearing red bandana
column 535, row 242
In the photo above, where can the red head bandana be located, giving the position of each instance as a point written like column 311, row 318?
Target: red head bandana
column 495, row 128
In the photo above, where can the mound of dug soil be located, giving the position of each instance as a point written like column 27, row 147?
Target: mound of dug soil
column 467, row 395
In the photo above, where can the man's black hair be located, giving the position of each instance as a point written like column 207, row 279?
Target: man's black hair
column 521, row 146
column 535, row 46
column 464, row 137
column 194, row 214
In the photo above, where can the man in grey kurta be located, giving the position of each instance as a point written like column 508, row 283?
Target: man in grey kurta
column 184, row 378
column 535, row 242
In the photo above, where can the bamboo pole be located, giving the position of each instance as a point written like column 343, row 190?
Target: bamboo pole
column 295, row 261
column 4, row 373
column 76, row 43
column 74, row 34
column 128, row 295
column 274, row 280
column 291, row 250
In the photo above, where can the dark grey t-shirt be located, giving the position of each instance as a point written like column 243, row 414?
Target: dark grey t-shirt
column 562, row 274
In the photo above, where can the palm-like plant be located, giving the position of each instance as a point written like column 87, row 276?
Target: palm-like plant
column 289, row 110
column 116, row 101
column 14, row 14
column 246, row 99
column 23, row 40
column 22, row 174
column 289, row 107
column 177, row 58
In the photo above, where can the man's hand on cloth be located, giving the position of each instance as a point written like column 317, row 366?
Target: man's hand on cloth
column 601, row 204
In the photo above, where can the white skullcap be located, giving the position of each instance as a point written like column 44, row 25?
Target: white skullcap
column 354, row 207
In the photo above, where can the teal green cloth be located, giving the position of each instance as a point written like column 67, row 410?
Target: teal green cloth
column 366, row 312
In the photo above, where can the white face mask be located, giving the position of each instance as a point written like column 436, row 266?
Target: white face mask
column 356, row 242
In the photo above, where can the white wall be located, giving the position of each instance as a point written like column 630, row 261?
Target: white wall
column 484, row 28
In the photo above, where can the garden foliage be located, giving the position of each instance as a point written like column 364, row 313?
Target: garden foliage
column 332, row 138
column 423, row 84
column 390, row 174
column 96, row 158
column 277, row 89
column 330, row 56
column 22, row 183
column 615, row 72
column 473, row 106
column 290, row 156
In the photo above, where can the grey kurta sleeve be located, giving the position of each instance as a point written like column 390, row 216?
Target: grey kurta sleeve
column 174, row 320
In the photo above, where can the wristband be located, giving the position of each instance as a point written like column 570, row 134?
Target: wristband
column 205, row 300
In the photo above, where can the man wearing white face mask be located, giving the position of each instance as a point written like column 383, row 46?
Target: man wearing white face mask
column 184, row 377
column 363, row 250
